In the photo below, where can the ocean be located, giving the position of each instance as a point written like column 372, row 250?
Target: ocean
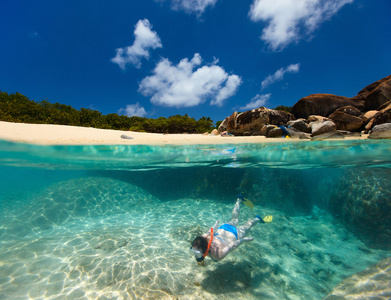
column 117, row 222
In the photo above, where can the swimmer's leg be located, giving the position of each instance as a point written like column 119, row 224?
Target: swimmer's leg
column 235, row 213
column 242, row 230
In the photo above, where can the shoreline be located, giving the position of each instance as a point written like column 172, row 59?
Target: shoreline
column 47, row 134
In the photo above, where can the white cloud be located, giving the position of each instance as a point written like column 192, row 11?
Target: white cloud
column 133, row 110
column 182, row 86
column 191, row 6
column 279, row 74
column 256, row 102
column 286, row 18
column 145, row 39
column 228, row 90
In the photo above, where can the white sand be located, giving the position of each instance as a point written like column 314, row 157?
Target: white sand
column 73, row 135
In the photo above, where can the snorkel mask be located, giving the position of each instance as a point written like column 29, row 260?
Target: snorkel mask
column 197, row 253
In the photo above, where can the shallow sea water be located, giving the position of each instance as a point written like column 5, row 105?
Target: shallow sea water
column 116, row 222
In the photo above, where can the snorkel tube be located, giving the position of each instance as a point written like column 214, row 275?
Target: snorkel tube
column 197, row 253
column 210, row 242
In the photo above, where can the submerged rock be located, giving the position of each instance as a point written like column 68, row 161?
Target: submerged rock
column 363, row 204
column 372, row 283
column 260, row 185
column 77, row 199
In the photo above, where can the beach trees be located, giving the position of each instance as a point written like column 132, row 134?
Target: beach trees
column 18, row 108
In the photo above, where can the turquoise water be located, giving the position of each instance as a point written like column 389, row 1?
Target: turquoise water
column 116, row 222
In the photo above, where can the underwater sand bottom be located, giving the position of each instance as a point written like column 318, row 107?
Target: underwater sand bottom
column 143, row 254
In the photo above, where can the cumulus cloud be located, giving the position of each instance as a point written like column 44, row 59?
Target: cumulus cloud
column 287, row 18
column 256, row 102
column 279, row 74
column 228, row 90
column 133, row 110
column 145, row 39
column 188, row 83
column 191, row 6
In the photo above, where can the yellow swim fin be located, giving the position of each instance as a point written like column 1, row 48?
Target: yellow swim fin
column 268, row 219
column 248, row 203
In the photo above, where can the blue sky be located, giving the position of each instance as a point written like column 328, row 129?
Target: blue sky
column 201, row 57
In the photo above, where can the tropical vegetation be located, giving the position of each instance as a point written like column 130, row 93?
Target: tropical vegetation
column 20, row 109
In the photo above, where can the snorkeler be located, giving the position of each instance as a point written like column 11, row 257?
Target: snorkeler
column 221, row 240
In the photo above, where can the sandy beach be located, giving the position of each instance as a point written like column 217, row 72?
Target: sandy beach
column 72, row 135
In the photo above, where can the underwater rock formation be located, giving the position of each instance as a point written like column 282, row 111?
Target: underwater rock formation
column 372, row 283
column 260, row 185
column 75, row 199
column 198, row 183
column 363, row 204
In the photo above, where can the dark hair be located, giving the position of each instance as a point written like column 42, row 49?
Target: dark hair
column 202, row 244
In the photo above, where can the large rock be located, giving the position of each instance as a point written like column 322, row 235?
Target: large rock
column 375, row 94
column 297, row 134
column 350, row 110
column 315, row 118
column 231, row 121
column 369, row 116
column 266, row 128
column 318, row 128
column 332, row 135
column 382, row 131
column 275, row 133
column 223, row 125
column 252, row 121
column 345, row 121
column 322, row 104
column 383, row 116
column 372, row 283
column 362, row 202
column 300, row 125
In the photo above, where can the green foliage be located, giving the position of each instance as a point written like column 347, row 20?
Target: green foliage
column 284, row 108
column 20, row 109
